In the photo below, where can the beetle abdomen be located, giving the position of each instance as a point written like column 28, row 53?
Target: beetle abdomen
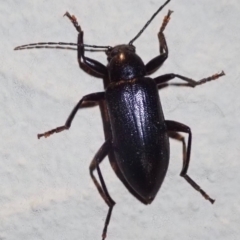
column 140, row 139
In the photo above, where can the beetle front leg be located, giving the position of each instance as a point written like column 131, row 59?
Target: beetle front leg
column 174, row 127
column 156, row 62
column 167, row 77
column 94, row 97
column 91, row 64
column 102, row 189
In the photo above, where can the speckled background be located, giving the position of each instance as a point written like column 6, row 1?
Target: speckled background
column 45, row 188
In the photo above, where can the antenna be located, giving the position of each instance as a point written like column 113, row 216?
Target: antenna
column 56, row 45
column 148, row 22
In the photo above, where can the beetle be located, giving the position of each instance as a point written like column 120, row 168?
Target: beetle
column 137, row 134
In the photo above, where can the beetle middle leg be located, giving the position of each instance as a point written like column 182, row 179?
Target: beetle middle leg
column 102, row 189
column 174, row 127
column 156, row 62
column 93, row 97
column 167, row 77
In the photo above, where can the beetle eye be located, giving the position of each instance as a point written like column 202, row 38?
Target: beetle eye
column 132, row 47
column 108, row 51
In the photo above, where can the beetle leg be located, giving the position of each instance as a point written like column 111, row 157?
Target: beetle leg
column 102, row 189
column 174, row 127
column 156, row 62
column 167, row 77
column 91, row 64
column 93, row 97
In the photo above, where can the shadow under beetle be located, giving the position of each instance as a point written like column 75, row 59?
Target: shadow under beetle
column 138, row 139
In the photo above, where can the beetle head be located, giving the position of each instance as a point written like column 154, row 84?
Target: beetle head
column 118, row 50
column 124, row 63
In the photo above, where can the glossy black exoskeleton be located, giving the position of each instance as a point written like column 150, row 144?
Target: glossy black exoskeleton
column 137, row 135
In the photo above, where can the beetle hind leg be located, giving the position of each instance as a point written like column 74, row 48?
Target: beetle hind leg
column 174, row 127
column 102, row 189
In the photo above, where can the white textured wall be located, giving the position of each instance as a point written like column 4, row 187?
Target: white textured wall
column 45, row 188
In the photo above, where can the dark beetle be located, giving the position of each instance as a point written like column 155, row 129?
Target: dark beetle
column 138, row 138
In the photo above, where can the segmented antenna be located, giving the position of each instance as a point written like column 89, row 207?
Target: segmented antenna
column 57, row 45
column 148, row 22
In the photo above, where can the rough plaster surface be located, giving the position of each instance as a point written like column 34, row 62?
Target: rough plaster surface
column 45, row 189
